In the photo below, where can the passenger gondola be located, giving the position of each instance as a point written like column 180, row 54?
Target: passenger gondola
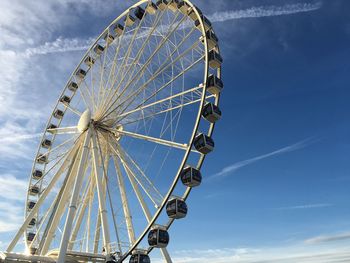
column 118, row 29
column 206, row 23
column 73, row 86
column 191, row 177
column 81, row 73
column 34, row 190
column 33, row 250
column 158, row 237
column 30, row 236
column 31, row 204
column 89, row 61
column 42, row 159
column 37, row 174
column 46, row 143
column 32, row 222
column 212, row 39
column 65, row 100
column 183, row 7
column 192, row 14
column 173, row 5
column 203, row 143
column 162, row 4
column 215, row 85
column 215, row 60
column 211, row 112
column 58, row 114
column 98, row 49
column 109, row 38
column 139, row 257
column 129, row 20
column 151, row 8
column 176, row 208
column 139, row 12
column 51, row 127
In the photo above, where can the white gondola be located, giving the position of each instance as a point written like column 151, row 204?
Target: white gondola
column 162, row 4
column 139, row 256
column 30, row 236
column 139, row 12
column 191, row 177
column 109, row 38
column 211, row 112
column 206, row 23
column 46, row 143
column 203, row 143
column 73, row 86
column 42, row 159
column 58, row 114
column 118, row 29
column 215, row 60
column 89, row 61
column 51, row 128
column 37, row 174
column 65, row 100
column 31, row 204
column 215, row 85
column 81, row 73
column 212, row 39
column 192, row 14
column 151, row 8
column 183, row 7
column 176, row 208
column 158, row 237
column 129, row 20
column 98, row 49
column 173, row 5
column 32, row 222
column 34, row 190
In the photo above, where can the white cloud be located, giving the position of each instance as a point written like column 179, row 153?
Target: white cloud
column 238, row 165
column 12, row 188
column 328, row 238
column 265, row 11
column 307, row 206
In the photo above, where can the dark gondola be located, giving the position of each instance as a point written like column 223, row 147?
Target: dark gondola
column 158, row 237
column 139, row 12
column 51, row 127
column 98, row 49
column 139, row 257
column 183, row 7
column 109, row 38
column 192, row 14
column 37, row 174
column 89, row 61
column 215, row 85
column 215, row 59
column 31, row 204
column 58, row 114
column 32, row 222
column 81, row 73
column 212, row 39
column 73, row 86
column 211, row 112
column 42, row 159
column 46, row 143
column 203, row 143
column 129, row 20
column 206, row 23
column 30, row 236
column 191, row 177
column 65, row 99
column 33, row 190
column 176, row 208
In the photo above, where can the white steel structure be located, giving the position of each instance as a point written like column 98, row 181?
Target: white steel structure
column 134, row 120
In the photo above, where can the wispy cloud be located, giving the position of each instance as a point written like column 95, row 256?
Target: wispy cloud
column 238, row 165
column 308, row 206
column 329, row 238
column 265, row 11
column 76, row 44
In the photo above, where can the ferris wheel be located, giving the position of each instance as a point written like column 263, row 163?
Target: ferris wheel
column 126, row 140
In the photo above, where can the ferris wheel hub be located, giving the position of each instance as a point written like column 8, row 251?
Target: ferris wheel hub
column 84, row 121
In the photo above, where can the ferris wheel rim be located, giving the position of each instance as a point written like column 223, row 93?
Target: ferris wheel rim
column 195, row 129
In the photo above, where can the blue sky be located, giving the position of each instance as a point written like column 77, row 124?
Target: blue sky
column 276, row 185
